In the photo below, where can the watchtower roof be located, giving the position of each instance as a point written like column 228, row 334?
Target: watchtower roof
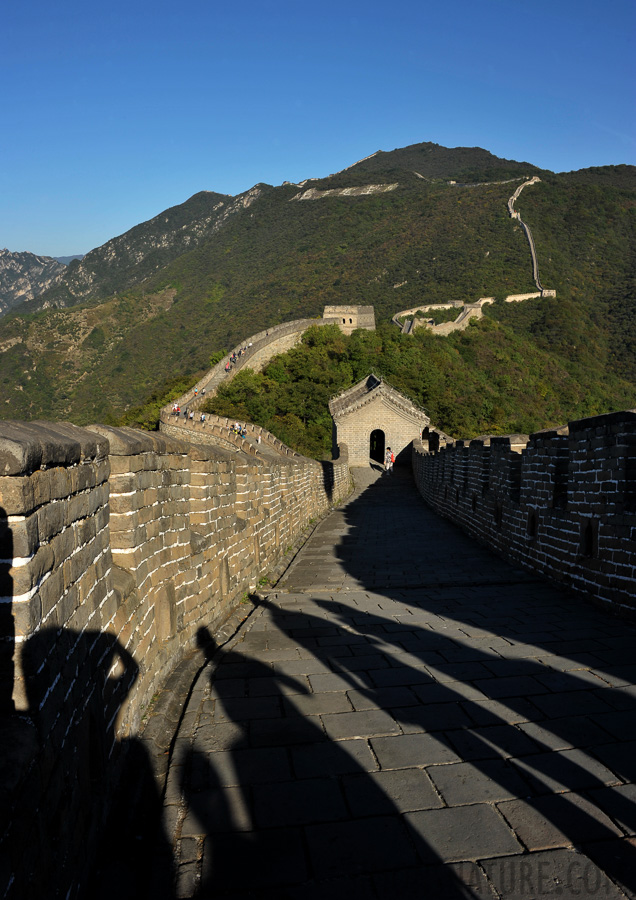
column 369, row 389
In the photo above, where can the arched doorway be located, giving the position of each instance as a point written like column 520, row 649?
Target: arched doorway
column 376, row 445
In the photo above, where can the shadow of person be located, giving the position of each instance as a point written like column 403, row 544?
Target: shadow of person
column 264, row 789
column 583, row 741
column 465, row 744
column 99, row 815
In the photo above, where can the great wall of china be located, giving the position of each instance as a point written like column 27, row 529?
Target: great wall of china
column 468, row 311
column 118, row 546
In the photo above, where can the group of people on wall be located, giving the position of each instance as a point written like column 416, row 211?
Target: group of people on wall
column 236, row 355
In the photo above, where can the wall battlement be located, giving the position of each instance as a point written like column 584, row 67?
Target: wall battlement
column 117, row 547
column 561, row 502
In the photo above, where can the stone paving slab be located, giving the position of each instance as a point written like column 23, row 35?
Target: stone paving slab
column 558, row 820
column 462, row 833
column 405, row 714
column 486, row 781
column 402, row 789
column 567, row 874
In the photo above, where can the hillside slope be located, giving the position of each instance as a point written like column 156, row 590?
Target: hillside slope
column 127, row 260
column 278, row 258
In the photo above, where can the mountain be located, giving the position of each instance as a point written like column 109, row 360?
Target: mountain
column 128, row 259
column 413, row 225
column 65, row 260
column 24, row 276
column 434, row 163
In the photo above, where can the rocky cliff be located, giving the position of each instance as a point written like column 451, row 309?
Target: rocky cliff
column 24, row 276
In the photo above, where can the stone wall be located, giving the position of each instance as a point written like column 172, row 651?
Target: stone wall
column 519, row 298
column 350, row 317
column 399, row 430
column 118, row 546
column 256, row 352
column 560, row 502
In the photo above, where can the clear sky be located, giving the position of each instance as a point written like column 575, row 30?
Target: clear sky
column 112, row 112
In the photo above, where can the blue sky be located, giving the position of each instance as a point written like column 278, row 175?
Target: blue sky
column 114, row 112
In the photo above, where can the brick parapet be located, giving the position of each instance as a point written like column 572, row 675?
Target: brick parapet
column 558, row 502
column 118, row 546
column 218, row 431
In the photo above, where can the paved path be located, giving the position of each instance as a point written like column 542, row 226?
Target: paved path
column 406, row 715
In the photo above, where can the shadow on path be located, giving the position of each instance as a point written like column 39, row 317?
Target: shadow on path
column 439, row 706
column 276, row 821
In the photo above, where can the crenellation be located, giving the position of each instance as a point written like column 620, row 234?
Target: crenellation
column 558, row 501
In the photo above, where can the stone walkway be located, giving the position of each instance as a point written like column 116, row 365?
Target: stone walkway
column 406, row 715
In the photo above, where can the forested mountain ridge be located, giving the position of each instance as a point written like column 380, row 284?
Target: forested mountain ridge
column 427, row 240
column 128, row 259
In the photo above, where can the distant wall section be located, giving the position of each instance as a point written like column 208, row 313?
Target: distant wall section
column 348, row 318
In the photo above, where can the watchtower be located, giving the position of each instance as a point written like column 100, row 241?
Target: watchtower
column 351, row 317
column 371, row 416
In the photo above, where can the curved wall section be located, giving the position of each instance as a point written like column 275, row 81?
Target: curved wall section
column 256, row 352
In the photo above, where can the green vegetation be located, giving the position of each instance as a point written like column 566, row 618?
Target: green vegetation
column 441, row 315
column 484, row 380
column 128, row 259
column 147, row 415
column 524, row 366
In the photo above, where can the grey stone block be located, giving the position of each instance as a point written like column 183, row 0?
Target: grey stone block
column 565, row 733
column 566, row 770
column 382, row 793
column 187, row 880
column 383, row 698
column 439, row 717
column 284, row 732
column 298, row 803
column 316, row 704
column 360, row 724
column 217, row 811
column 211, row 738
column 621, row 725
column 461, row 833
column 319, row 759
column 401, row 676
column 459, row 671
column 510, row 711
column 567, row 874
column 331, row 682
column 493, row 741
column 243, row 709
column 619, row 757
column 240, row 767
column 572, row 703
column 619, row 802
column 483, row 782
column 365, row 845
column 514, row 686
column 408, row 750
column 557, row 821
